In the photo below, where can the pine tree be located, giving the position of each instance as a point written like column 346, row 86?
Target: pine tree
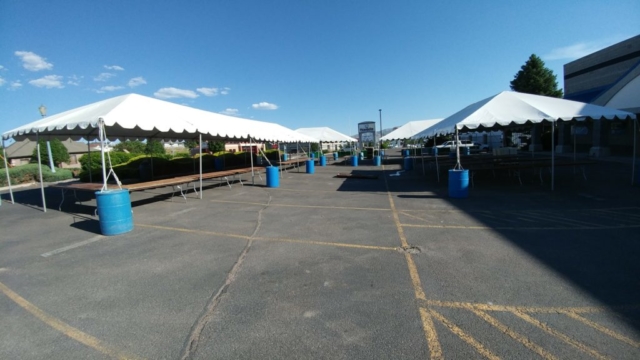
column 535, row 78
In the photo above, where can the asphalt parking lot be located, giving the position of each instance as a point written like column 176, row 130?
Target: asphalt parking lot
column 331, row 268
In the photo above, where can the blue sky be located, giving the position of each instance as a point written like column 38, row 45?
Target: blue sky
column 299, row 63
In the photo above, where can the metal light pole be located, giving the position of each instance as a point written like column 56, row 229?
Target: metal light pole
column 380, row 111
column 43, row 113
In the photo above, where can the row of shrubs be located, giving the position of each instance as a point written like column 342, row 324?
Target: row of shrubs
column 130, row 167
column 29, row 173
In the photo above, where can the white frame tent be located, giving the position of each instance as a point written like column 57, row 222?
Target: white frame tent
column 510, row 108
column 326, row 134
column 409, row 130
column 134, row 116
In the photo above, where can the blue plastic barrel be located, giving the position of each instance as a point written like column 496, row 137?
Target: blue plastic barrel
column 323, row 160
column 114, row 211
column 311, row 166
column 335, row 156
column 354, row 161
column 405, row 152
column 218, row 163
column 435, row 150
column 408, row 163
column 313, row 155
column 458, row 183
column 273, row 178
column 452, row 154
column 376, row 161
column 382, row 152
column 467, row 150
column 285, row 157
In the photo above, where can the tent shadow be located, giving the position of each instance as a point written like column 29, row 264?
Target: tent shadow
column 86, row 224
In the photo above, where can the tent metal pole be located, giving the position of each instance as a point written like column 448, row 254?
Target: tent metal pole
column 279, row 158
column 102, row 137
column 200, row 138
column 44, row 202
column 89, row 155
column 635, row 141
column 6, row 167
column 553, row 154
column 253, row 178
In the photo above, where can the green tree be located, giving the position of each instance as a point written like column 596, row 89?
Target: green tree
column 133, row 147
column 215, row 146
column 190, row 144
column 535, row 78
column 154, row 147
column 59, row 152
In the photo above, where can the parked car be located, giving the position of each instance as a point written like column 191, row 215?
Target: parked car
column 451, row 144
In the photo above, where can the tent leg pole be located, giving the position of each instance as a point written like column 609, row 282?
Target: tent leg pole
column 200, row 138
column 633, row 161
column 253, row 178
column 44, row 202
column 553, row 155
column 6, row 167
column 89, row 155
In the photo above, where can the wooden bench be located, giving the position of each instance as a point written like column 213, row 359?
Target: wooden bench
column 175, row 182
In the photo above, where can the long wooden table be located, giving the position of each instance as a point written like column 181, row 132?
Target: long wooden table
column 175, row 182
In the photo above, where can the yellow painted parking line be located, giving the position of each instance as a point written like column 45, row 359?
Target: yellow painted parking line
column 546, row 328
column 464, row 336
column 300, row 206
column 64, row 328
column 529, row 309
column 514, row 335
column 432, row 336
column 474, row 227
column 255, row 238
column 601, row 328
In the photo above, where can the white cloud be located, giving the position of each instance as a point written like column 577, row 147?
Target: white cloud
column 581, row 49
column 230, row 111
column 2, row 81
column 109, row 88
column 264, row 106
column 49, row 82
column 137, row 81
column 15, row 85
column 2, row 67
column 208, row 91
column 171, row 92
column 114, row 67
column 225, row 91
column 74, row 80
column 33, row 62
column 104, row 77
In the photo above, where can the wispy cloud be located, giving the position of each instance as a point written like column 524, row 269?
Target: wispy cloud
column 114, row 67
column 137, row 81
column 104, row 76
column 2, row 67
column 15, row 85
column 109, row 88
column 2, row 81
column 225, row 91
column 49, row 82
column 264, row 106
column 171, row 92
column 33, row 62
column 230, row 111
column 74, row 80
column 208, row 91
column 580, row 49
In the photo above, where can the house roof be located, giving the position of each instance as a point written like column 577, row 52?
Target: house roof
column 24, row 148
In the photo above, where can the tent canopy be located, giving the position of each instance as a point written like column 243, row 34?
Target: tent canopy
column 135, row 116
column 410, row 129
column 510, row 108
column 325, row 134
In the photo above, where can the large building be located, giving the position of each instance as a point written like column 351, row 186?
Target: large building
column 609, row 77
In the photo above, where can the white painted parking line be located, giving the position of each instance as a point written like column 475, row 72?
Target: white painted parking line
column 72, row 246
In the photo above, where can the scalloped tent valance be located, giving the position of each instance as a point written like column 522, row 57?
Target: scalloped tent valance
column 135, row 116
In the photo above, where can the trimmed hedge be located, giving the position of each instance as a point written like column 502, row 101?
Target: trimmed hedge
column 25, row 174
